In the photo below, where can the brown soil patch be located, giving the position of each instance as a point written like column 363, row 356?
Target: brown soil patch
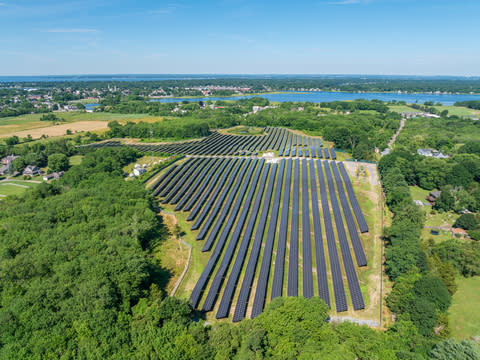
column 59, row 130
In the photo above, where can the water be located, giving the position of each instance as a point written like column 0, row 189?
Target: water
column 90, row 106
column 329, row 96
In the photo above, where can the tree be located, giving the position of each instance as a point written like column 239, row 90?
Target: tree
column 433, row 289
column 19, row 164
column 451, row 349
column 466, row 222
column 13, row 140
column 423, row 315
column 446, row 200
column 58, row 162
column 459, row 176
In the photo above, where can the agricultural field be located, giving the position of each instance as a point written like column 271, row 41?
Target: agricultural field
column 267, row 228
column 77, row 121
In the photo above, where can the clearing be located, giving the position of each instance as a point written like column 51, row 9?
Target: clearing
column 171, row 253
column 15, row 187
column 464, row 314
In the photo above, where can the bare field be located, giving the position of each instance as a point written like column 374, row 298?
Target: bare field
column 59, row 130
column 26, row 124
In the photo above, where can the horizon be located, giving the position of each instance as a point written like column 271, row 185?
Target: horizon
column 319, row 75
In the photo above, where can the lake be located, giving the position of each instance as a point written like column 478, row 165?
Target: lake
column 329, row 96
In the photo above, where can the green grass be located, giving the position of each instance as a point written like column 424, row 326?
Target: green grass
column 401, row 108
column 11, row 187
column 458, row 110
column 464, row 314
column 75, row 159
column 442, row 236
column 418, row 193
column 245, row 130
column 452, row 110
column 440, row 219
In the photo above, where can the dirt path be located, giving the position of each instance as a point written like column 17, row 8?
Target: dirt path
column 394, row 137
column 187, row 264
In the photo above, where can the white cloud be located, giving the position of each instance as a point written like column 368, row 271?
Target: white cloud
column 3, row 4
column 75, row 30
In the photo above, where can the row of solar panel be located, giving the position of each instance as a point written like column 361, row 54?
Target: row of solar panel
column 224, row 188
column 279, row 139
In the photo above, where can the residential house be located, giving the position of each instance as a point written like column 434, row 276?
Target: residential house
column 54, row 175
column 424, row 152
column 432, row 153
column 4, row 169
column 7, row 160
column 433, row 196
column 32, row 170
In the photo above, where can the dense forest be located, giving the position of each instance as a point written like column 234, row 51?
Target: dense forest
column 78, row 281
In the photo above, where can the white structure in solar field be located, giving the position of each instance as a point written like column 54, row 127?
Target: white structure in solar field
column 139, row 171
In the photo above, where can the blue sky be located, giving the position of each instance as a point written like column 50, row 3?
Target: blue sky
column 421, row 37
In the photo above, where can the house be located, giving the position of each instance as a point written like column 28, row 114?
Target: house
column 424, row 152
column 432, row 152
column 459, row 232
column 55, row 175
column 438, row 155
column 32, row 170
column 433, row 196
column 4, row 169
column 7, row 160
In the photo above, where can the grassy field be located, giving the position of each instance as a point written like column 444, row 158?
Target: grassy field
column 459, row 110
column 452, row 110
column 75, row 160
column 14, row 187
column 401, row 108
column 443, row 235
column 171, row 253
column 418, row 193
column 12, row 125
column 245, row 130
column 464, row 314
column 445, row 219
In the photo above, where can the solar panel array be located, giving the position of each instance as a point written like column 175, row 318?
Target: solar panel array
column 255, row 220
column 286, row 142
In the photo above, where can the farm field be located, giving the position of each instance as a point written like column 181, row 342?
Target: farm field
column 262, row 229
column 452, row 110
column 75, row 121
column 464, row 315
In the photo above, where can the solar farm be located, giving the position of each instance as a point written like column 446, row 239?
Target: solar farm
column 282, row 140
column 287, row 225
